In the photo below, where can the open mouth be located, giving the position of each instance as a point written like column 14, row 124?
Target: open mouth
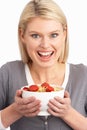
column 45, row 54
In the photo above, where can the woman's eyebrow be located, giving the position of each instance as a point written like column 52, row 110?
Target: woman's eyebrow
column 32, row 31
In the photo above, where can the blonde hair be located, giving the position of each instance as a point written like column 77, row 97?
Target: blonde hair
column 46, row 9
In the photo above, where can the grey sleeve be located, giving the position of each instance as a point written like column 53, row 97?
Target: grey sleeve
column 12, row 78
column 86, row 104
column 4, row 81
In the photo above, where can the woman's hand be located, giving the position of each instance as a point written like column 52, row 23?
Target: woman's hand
column 59, row 107
column 28, row 107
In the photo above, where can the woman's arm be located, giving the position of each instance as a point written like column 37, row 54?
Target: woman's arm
column 9, row 115
column 28, row 107
column 75, row 120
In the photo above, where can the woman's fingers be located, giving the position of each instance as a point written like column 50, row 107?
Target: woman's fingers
column 59, row 106
column 66, row 94
column 27, row 106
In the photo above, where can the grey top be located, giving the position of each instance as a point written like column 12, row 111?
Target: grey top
column 12, row 77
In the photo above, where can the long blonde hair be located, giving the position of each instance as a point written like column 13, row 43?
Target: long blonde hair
column 46, row 9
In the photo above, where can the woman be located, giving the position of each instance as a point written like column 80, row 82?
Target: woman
column 43, row 42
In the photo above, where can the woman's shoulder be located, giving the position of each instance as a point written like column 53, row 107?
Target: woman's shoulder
column 12, row 65
column 16, row 62
column 78, row 69
column 78, row 66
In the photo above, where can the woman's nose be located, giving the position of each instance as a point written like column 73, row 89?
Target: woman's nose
column 45, row 42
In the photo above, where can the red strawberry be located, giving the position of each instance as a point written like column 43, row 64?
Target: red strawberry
column 33, row 88
column 45, row 85
column 26, row 88
column 49, row 89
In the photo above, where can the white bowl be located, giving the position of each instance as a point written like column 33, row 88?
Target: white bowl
column 44, row 97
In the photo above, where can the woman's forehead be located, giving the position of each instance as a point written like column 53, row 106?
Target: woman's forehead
column 43, row 25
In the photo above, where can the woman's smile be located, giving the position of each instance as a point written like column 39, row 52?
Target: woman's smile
column 45, row 55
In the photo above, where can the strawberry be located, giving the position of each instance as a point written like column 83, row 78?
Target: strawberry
column 49, row 89
column 45, row 85
column 26, row 88
column 33, row 88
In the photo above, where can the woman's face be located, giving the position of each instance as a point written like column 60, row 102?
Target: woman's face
column 44, row 40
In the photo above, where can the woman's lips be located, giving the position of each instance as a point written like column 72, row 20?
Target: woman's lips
column 45, row 54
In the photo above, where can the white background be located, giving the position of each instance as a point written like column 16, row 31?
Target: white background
column 75, row 11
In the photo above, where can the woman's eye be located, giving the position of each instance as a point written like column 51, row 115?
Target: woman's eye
column 35, row 35
column 54, row 35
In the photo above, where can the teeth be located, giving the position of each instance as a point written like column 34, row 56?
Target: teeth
column 45, row 53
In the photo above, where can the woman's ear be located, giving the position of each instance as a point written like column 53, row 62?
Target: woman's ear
column 21, row 35
column 64, row 35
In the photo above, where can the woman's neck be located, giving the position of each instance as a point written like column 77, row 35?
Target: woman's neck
column 52, row 75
